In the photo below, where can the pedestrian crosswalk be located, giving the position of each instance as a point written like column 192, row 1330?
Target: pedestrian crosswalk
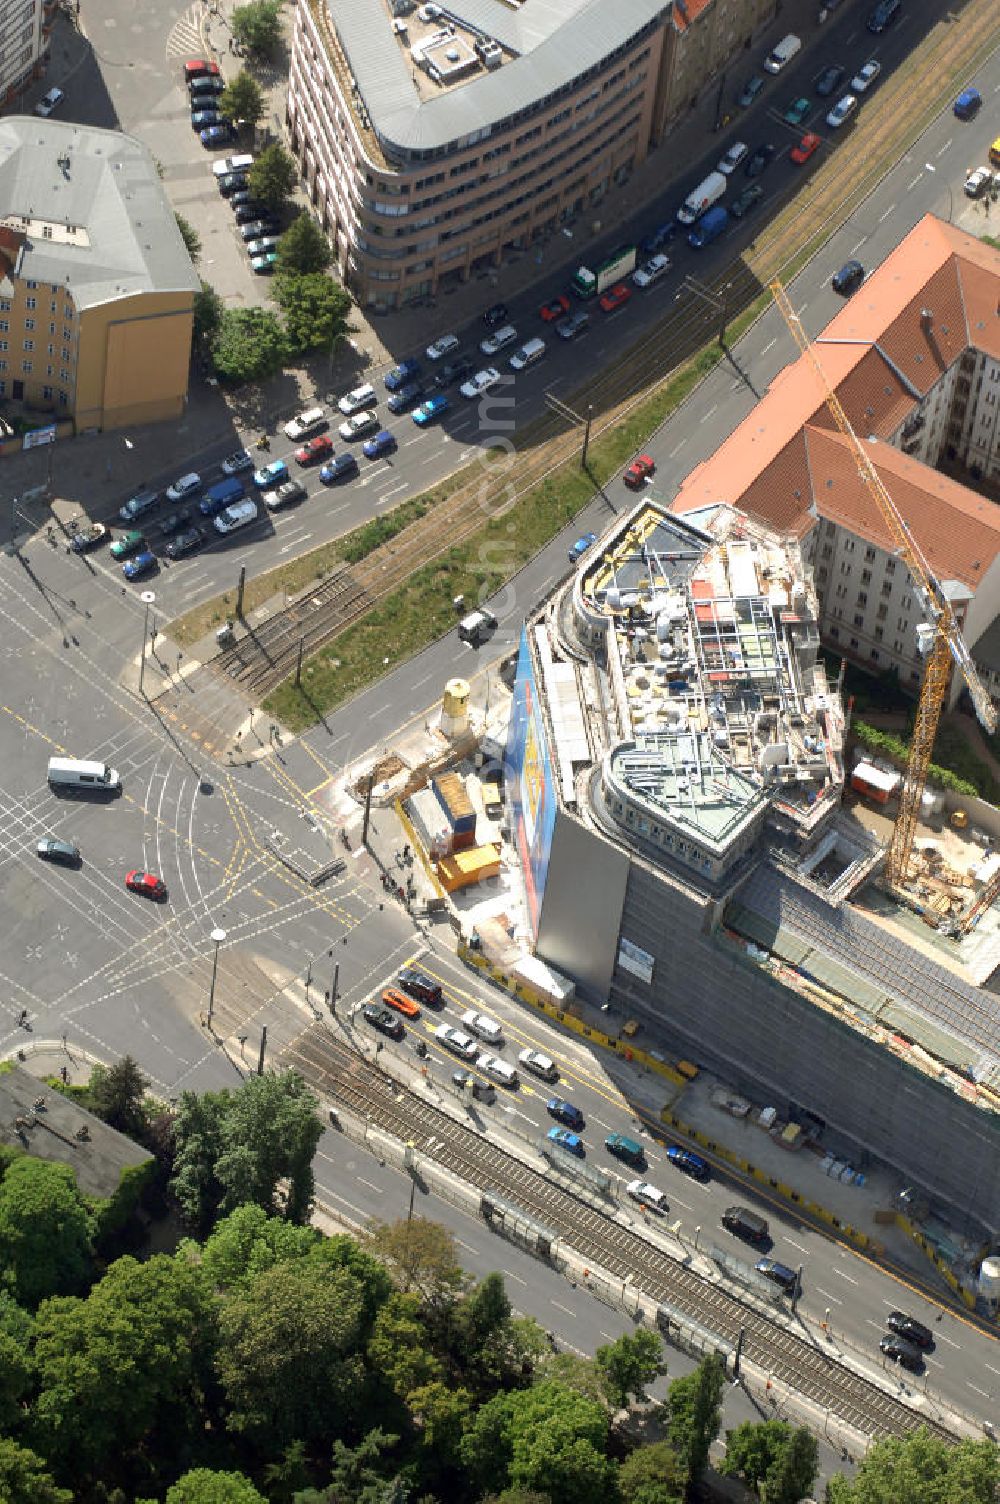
column 185, row 39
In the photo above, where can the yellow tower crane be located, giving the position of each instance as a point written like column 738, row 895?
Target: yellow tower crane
column 941, row 637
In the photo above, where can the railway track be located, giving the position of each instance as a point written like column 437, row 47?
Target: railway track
column 359, row 1087
column 261, row 662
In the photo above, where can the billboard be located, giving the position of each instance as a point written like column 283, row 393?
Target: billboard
column 530, row 778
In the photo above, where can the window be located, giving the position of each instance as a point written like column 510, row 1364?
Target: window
column 4, row 344
column 3, row 366
column 32, row 285
column 862, row 599
column 65, row 376
column 51, row 350
column 52, row 328
column 859, row 620
column 67, row 333
column 63, row 399
column 874, row 655
column 834, row 631
column 881, row 613
column 29, row 323
column 47, row 393
column 26, row 367
column 52, row 307
column 869, row 555
column 4, row 305
column 866, row 577
column 31, row 302
column 49, row 372
column 878, row 634
column 5, row 325
column 886, row 590
column 854, row 642
column 66, row 354
column 29, row 344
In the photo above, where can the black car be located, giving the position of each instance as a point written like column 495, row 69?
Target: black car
column 907, row 1326
column 883, row 15
column 902, row 1352
column 64, row 852
column 482, row 1091
column 828, row 80
column 244, row 196
column 495, row 316
column 205, row 86
column 253, row 229
column 245, row 208
column 750, row 90
column 850, row 277
column 419, row 985
column 384, row 1020
column 175, row 522
column 184, row 543
column 759, row 160
column 659, row 238
column 232, row 182
column 450, row 375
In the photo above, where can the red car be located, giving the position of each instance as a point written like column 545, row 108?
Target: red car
column 199, row 67
column 317, row 449
column 615, row 297
column 556, row 308
column 639, row 471
column 810, row 142
column 146, row 883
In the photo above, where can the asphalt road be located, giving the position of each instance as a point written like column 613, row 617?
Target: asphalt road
column 140, row 86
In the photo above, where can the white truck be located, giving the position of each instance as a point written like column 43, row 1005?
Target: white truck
column 707, row 193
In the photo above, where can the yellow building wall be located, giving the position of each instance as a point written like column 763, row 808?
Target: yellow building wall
column 134, row 359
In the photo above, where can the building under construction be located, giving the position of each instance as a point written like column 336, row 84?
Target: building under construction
column 676, row 778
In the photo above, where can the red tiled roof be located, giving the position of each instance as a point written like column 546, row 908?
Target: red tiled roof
column 683, row 15
column 786, row 463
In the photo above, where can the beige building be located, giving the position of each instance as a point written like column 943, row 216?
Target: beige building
column 710, row 36
column 96, row 285
column 25, row 41
column 914, row 357
column 436, row 140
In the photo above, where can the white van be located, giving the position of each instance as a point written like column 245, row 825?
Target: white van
column 783, row 53
column 240, row 515
column 527, row 355
column 70, row 772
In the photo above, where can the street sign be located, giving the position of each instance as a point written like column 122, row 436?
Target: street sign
column 39, row 436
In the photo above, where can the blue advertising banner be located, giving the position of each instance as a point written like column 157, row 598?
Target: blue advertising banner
column 530, row 778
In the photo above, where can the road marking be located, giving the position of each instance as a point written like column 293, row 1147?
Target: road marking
column 856, row 248
column 940, row 1337
column 380, row 711
column 936, row 1361
column 295, row 543
column 992, row 1369
column 559, row 1307
column 944, row 148
column 713, row 409
column 676, row 449
column 370, row 1184
column 769, row 346
column 911, row 185
column 827, row 1296
column 507, row 1274
column 883, row 217
column 849, row 1277
column 468, row 1247
column 796, row 1245
column 977, row 1389
column 876, row 1324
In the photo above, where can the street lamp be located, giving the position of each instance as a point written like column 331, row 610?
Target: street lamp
column 217, row 936
column 148, row 599
column 951, row 197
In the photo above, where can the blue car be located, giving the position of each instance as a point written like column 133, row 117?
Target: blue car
column 269, row 476
column 339, row 468
column 384, row 442
column 564, row 1112
column 967, row 104
column 659, row 239
column 580, row 546
column 401, row 374
column 430, row 411
column 405, row 396
column 202, row 119
column 216, row 135
column 691, row 1164
column 571, row 1142
column 138, row 565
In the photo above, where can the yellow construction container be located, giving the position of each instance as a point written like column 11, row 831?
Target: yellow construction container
column 467, row 867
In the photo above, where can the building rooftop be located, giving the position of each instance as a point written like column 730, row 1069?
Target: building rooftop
column 85, row 208
column 546, row 46
column 713, row 631
column 936, row 295
column 37, row 1118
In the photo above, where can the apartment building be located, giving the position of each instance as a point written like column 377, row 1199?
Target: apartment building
column 914, row 358
column 25, row 36
column 96, row 286
column 708, row 38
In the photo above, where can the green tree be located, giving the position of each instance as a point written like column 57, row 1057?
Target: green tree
column 118, row 1096
column 273, row 176
column 204, row 1486
column 45, row 1243
column 257, row 26
column 208, row 311
column 921, row 1469
column 134, row 1354
column 190, row 237
column 651, row 1475
column 15, row 1380
column 547, row 1438
column 24, row 1479
column 420, row 1255
column 629, row 1364
column 360, row 1475
column 315, row 308
column 249, row 344
column 694, row 1405
column 580, row 1374
column 288, row 1353
column 238, row 1146
column 398, row 1349
column 441, row 1412
column 242, row 100
column 247, row 1243
column 303, row 248
column 793, row 1472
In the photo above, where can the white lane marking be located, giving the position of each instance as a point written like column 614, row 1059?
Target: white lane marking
column 370, row 1184
column 713, row 409
column 796, row 1245
column 940, row 1337
column 856, row 248
column 944, row 148
column 560, row 1307
column 507, row 1274
column 992, row 1369
column 883, row 217
column 827, row 1296
column 381, row 709
column 913, row 183
column 769, row 346
column 977, row 1389
column 849, row 1277
column 676, row 449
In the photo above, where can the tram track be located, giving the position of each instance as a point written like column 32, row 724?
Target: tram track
column 261, row 661
column 359, row 1087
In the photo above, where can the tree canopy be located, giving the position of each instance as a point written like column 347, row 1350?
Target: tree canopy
column 316, row 310
column 117, row 1092
column 922, row 1469
column 776, row 1461
column 629, row 1364
column 273, row 176
column 242, row 100
column 248, row 344
column 303, row 248
column 694, row 1405
column 257, row 26
column 45, row 1234
column 204, row 1486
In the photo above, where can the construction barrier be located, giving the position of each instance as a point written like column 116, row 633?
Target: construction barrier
column 927, row 1248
